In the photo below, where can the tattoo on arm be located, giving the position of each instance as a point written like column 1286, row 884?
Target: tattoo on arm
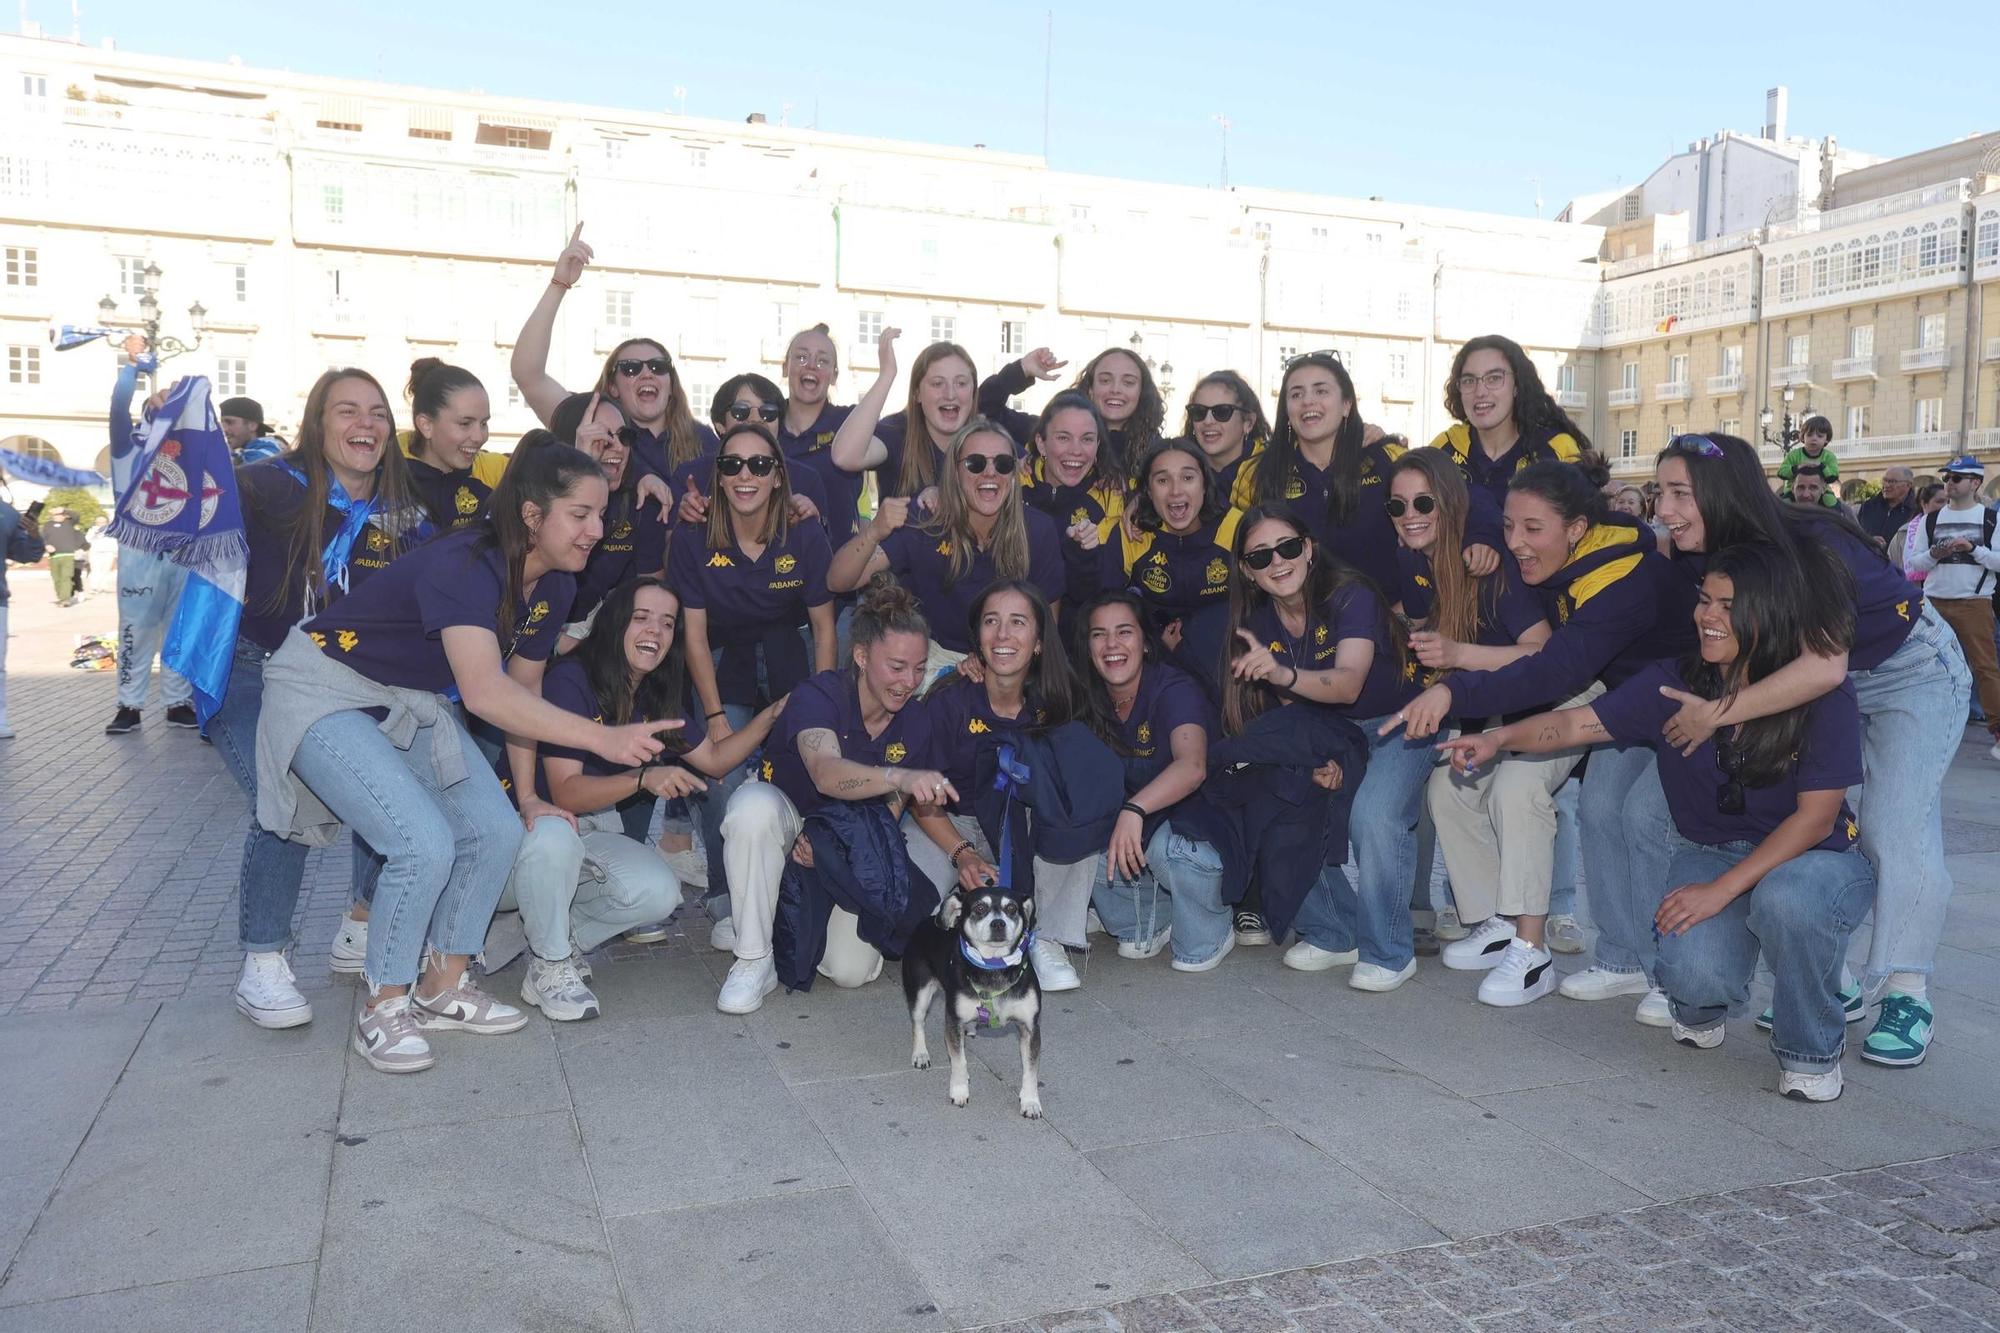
column 819, row 740
column 1549, row 735
column 849, row 784
column 1593, row 729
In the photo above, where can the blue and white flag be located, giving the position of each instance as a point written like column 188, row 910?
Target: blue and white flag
column 183, row 503
column 46, row 471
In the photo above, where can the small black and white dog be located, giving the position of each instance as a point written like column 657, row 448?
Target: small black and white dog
column 974, row 952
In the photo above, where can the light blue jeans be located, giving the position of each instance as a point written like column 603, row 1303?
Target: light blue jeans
column 1627, row 838
column 1375, row 919
column 1569, row 854
column 1190, row 875
column 1912, row 718
column 447, row 850
column 273, row 869
column 1800, row 917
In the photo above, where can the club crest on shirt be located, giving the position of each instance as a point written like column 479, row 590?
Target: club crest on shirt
column 1295, row 489
column 621, row 530
column 378, row 540
column 347, row 638
column 977, row 726
column 1276, row 647
column 896, row 752
column 1853, row 830
column 465, row 502
column 823, row 439
column 1078, row 515
column 536, row 612
column 785, row 564
column 1145, row 733
column 1218, row 570
column 1319, row 635
column 1155, row 579
column 720, row 561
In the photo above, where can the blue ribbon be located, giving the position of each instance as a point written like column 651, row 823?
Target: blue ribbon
column 1010, row 775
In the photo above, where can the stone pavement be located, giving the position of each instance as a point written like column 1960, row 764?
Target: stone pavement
column 1244, row 1149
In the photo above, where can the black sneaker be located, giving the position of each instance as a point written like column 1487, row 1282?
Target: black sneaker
column 182, row 715
column 127, row 720
column 1251, row 930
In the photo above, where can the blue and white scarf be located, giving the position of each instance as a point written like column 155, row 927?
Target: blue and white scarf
column 183, row 502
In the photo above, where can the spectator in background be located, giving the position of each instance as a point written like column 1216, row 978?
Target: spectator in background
column 1930, row 499
column 243, row 426
column 1956, row 552
column 1811, row 452
column 20, row 542
column 1888, row 513
column 1809, row 488
column 102, row 557
column 64, row 539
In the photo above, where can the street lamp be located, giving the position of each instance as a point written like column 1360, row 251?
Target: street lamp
column 161, row 346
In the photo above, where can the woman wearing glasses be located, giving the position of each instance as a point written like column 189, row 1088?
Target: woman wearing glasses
column 1119, row 383
column 1869, row 627
column 746, row 399
column 1504, row 419
column 980, row 531
column 1765, row 858
column 1616, row 606
column 1305, row 626
column 1226, row 420
column 639, row 376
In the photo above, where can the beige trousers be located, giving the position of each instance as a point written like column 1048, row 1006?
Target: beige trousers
column 758, row 830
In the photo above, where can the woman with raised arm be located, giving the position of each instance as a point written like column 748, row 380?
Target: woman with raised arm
column 1503, row 419
column 1117, row 381
column 906, row 448
column 1765, row 857
column 980, row 531
column 356, row 729
column 449, row 418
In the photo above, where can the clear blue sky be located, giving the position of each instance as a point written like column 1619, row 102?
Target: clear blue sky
column 1439, row 103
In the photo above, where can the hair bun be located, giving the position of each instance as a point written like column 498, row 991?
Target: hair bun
column 419, row 368
column 887, row 599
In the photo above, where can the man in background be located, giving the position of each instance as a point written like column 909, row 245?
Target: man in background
column 64, row 539
column 1885, row 514
column 149, row 586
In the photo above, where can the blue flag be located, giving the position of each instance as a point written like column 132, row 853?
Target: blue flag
column 46, row 472
column 182, row 503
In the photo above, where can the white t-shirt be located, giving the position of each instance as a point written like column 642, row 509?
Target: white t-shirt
column 1958, row 576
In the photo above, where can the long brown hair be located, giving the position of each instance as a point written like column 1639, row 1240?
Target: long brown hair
column 398, row 511
column 777, row 508
column 683, row 441
column 953, row 520
column 920, row 451
column 1122, row 445
column 1455, row 593
column 539, row 477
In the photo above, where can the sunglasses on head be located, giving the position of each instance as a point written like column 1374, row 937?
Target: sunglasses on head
column 976, row 463
column 1291, row 548
column 1696, row 444
column 1199, row 412
column 760, row 465
column 1331, row 353
column 1729, row 796
column 764, row 411
column 631, row 367
column 1423, row 504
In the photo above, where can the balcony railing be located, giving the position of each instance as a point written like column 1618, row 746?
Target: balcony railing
column 1572, row 399
column 1919, row 359
column 1677, row 391
column 1854, row 368
column 1718, row 385
column 338, row 319
column 1993, row 349
column 1633, row 466
column 1770, row 455
column 1979, row 442
column 1398, row 391
column 1785, row 377
column 1897, row 446
column 422, row 328
column 1623, row 398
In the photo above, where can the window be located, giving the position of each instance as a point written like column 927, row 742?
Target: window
column 1986, row 241
column 1930, row 330
column 1405, row 304
column 239, row 282
column 869, row 327
column 1927, row 416
column 1628, row 444
column 614, row 150
column 617, row 309
column 131, row 275
column 232, row 375
column 1675, row 430
column 1861, row 340
column 1733, row 426
column 944, row 329
column 24, row 364
column 1628, row 377
column 1732, row 361
column 1798, row 350
column 513, row 393
column 35, row 85
column 1399, row 368
column 1677, row 370
column 1857, row 422
column 497, row 135
column 333, row 202
column 697, row 156
column 1013, row 337
column 1079, row 212
column 1566, row 377
column 24, row 267
column 420, row 132
column 1317, row 238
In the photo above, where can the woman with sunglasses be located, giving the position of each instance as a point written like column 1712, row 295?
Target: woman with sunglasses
column 1497, row 831
column 905, row 448
column 1616, row 606
column 635, row 536
column 1504, row 420
column 1307, row 627
column 1064, row 478
column 1116, row 380
column 638, row 375
column 980, row 531
column 450, row 413
column 1765, row 855
column 746, row 399
column 1225, row 418
column 1869, row 627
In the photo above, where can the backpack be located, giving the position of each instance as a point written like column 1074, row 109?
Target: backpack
column 1987, row 518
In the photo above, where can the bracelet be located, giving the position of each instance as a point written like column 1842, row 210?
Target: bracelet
column 959, row 851
column 1295, row 679
column 710, row 717
column 558, row 282
column 1131, row 807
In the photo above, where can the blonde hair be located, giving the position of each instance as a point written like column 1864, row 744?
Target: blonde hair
column 953, row 519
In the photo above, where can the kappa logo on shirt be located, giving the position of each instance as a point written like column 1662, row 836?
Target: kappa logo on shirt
column 767, row 770
column 465, row 501
column 896, row 752
column 720, row 561
column 1423, row 582
column 1218, row 570
column 1853, row 829
column 1903, row 610
column 319, row 640
column 977, row 727
column 944, row 547
column 784, row 564
column 347, row 638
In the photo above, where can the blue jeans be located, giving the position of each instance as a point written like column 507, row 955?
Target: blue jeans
column 1627, row 838
column 273, row 869
column 447, row 850
column 1912, row 717
column 1375, row 918
column 1190, row 874
column 1800, row 917
column 1569, row 856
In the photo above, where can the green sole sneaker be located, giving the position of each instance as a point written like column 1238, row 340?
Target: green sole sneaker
column 1903, row 1032
column 1850, row 1000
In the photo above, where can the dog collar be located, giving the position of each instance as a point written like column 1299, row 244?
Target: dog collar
column 985, row 964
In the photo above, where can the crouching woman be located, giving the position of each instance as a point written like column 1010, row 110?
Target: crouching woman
column 1765, row 857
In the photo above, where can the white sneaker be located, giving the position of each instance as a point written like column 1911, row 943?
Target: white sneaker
column 1052, row 968
column 1814, row 1087
column 1448, row 926
column 389, row 1039
column 690, row 867
column 1370, row 977
column 557, row 990
column 1597, row 983
column 1146, row 948
column 1564, row 934
column 1306, row 956
column 1655, row 1010
column 350, row 947
column 1702, row 1039
column 748, row 982
column 1213, row 961
column 268, row 993
column 1481, row 949
column 652, row 934
column 506, row 939
column 1523, row 975
column 722, row 935
column 1993, row 753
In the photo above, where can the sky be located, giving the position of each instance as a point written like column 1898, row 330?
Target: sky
column 1452, row 104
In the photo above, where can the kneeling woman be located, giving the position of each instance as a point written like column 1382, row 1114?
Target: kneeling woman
column 844, row 736
column 356, row 729
column 578, row 879
column 1766, row 859
column 1159, row 720
column 1307, row 627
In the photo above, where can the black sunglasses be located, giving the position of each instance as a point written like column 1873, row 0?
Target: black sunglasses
column 976, row 463
column 1729, row 796
column 627, row 436
column 764, row 411
column 1198, row 412
column 1291, row 548
column 630, row 369
column 1423, row 504
column 730, row 465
